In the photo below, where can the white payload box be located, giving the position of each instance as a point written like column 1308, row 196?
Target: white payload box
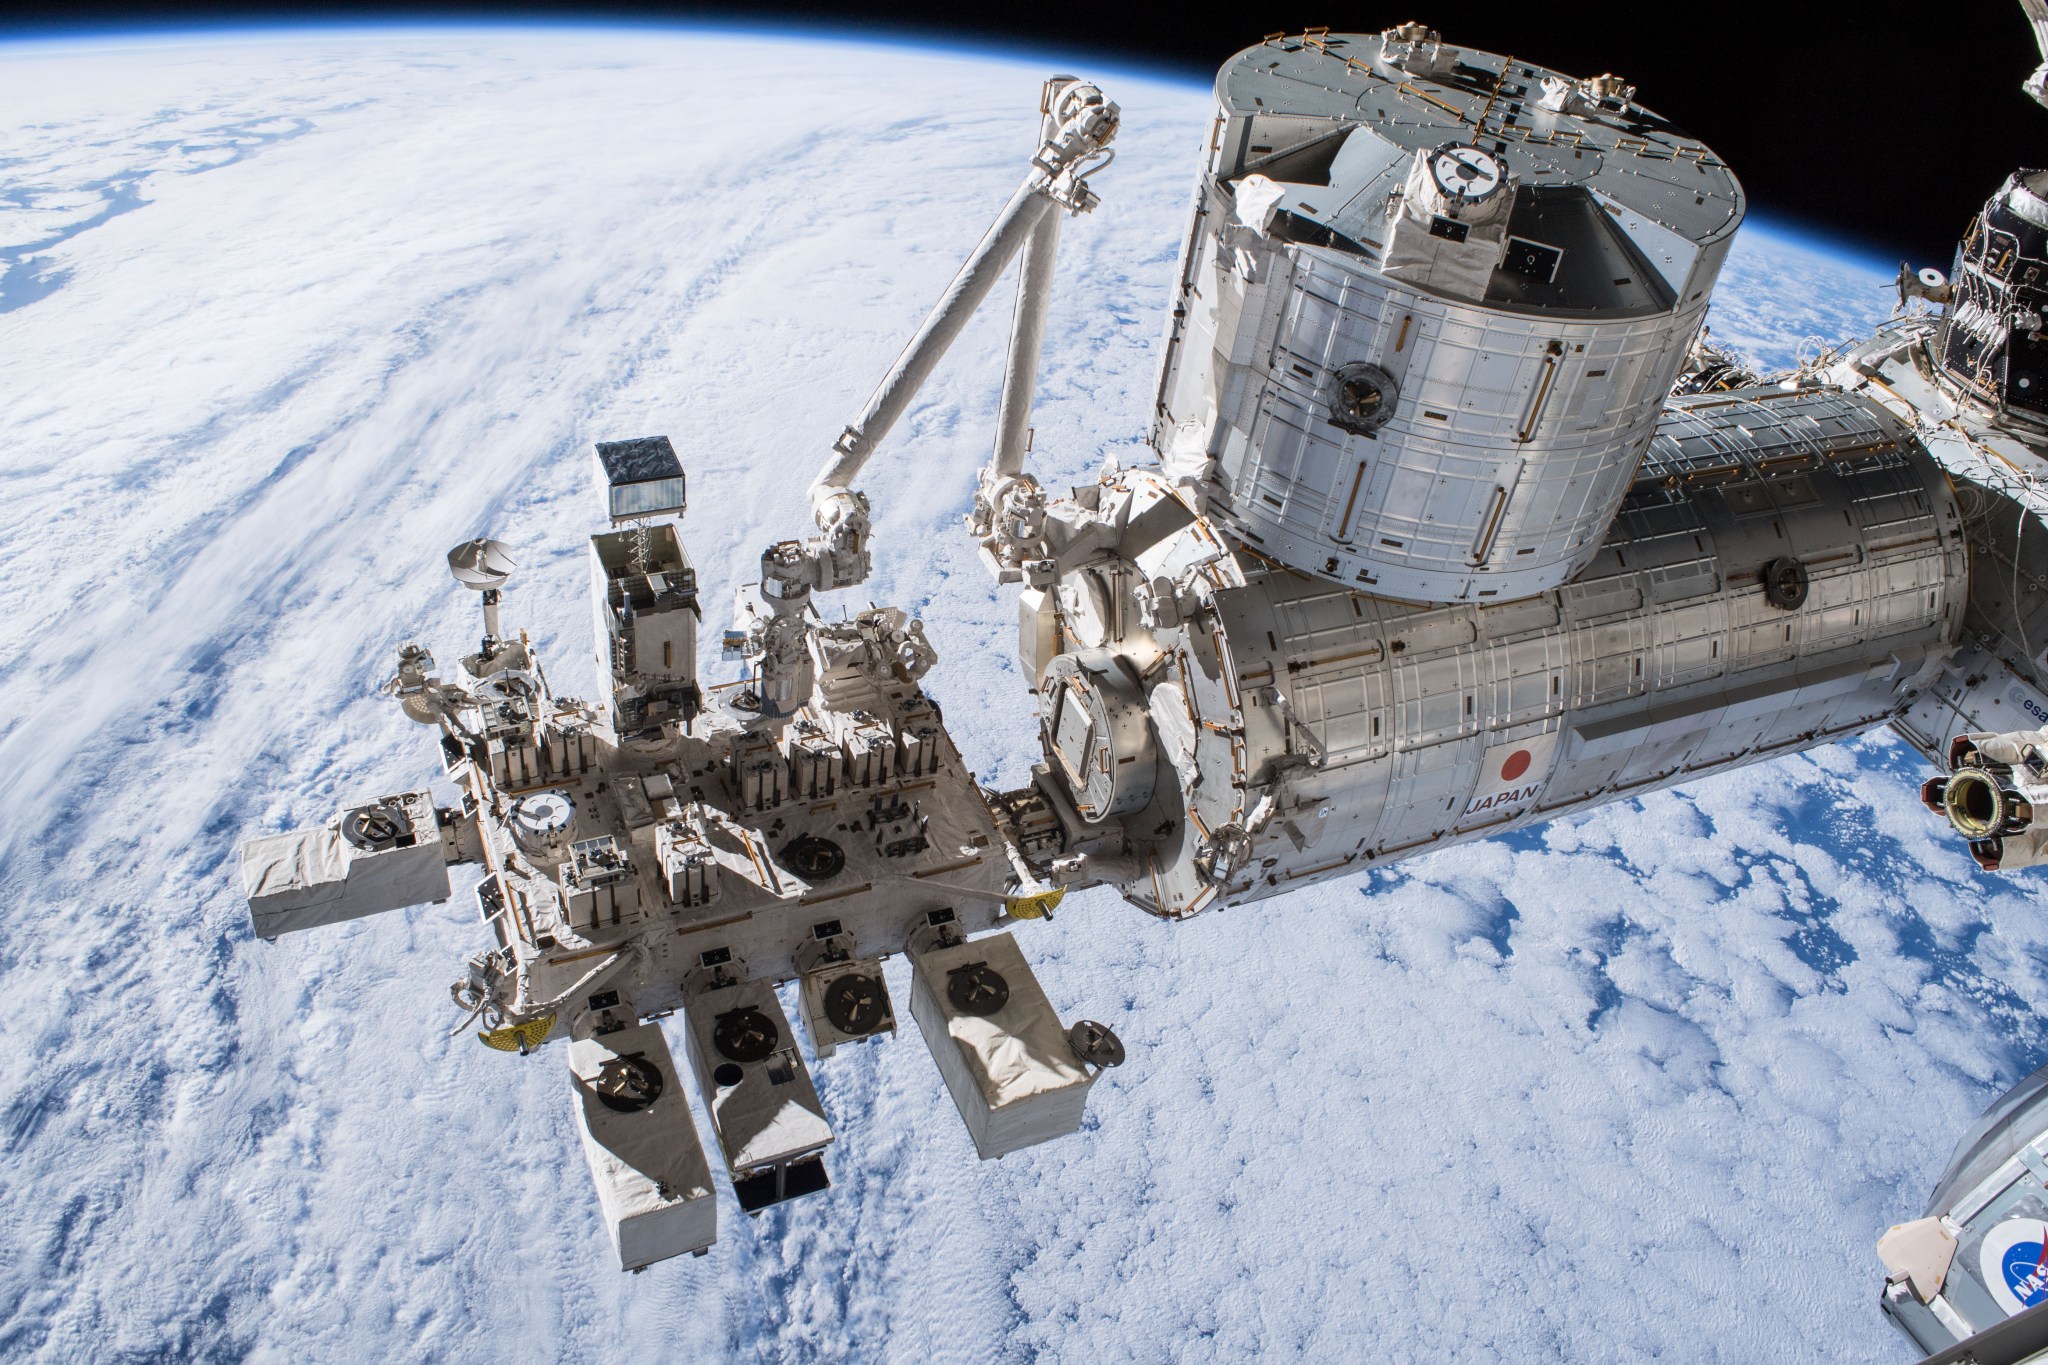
column 769, row 1120
column 846, row 1001
column 653, row 1183
column 369, row 859
column 999, row 1044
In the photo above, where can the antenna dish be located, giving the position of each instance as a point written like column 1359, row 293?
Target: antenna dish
column 481, row 564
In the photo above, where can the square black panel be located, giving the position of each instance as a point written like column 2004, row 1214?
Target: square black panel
column 805, row 1177
column 772, row 1186
column 1450, row 229
column 757, row 1191
column 1532, row 260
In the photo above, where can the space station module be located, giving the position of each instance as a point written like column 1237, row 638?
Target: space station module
column 1965, row 365
column 1430, row 549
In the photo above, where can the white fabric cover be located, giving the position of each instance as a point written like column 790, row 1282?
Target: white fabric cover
column 760, row 1121
column 1462, row 269
column 1919, row 1253
column 1257, row 198
column 310, row 877
column 634, row 1157
column 1012, row 1074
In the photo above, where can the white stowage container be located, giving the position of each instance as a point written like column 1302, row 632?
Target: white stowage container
column 764, row 1109
column 846, row 1001
column 310, row 877
column 653, row 1183
column 1011, row 1071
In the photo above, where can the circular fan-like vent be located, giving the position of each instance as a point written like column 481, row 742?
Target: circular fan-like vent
column 1785, row 583
column 813, row 858
column 1362, row 398
column 856, row 1003
column 627, row 1084
column 745, row 1035
column 1096, row 1044
column 977, row 989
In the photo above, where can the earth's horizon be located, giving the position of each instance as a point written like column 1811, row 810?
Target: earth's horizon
column 56, row 37
column 287, row 311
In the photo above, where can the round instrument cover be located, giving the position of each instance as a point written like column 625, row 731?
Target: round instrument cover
column 856, row 1003
column 977, row 989
column 745, row 1035
column 540, row 814
column 1466, row 173
column 376, row 827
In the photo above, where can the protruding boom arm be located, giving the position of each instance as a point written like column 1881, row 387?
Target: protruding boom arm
column 1079, row 124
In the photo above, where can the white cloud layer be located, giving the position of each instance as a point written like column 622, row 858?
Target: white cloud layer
column 286, row 317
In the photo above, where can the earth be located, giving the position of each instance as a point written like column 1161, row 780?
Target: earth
column 286, row 313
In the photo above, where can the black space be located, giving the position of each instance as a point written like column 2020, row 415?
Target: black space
column 1884, row 124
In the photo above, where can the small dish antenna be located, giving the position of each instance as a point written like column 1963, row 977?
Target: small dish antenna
column 483, row 564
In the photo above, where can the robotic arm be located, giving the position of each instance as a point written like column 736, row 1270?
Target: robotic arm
column 1079, row 126
column 773, row 628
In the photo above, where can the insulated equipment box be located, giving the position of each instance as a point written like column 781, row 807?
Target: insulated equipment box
column 383, row 856
column 653, row 1183
column 999, row 1044
column 764, row 1108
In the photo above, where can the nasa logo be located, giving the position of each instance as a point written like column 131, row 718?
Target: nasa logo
column 2028, row 704
column 2014, row 1260
column 2025, row 1275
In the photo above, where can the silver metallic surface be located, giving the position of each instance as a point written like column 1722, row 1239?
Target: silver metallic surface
column 1306, row 729
column 1027, row 340
column 970, row 285
column 1528, row 377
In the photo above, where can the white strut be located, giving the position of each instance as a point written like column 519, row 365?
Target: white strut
column 1079, row 125
column 774, row 626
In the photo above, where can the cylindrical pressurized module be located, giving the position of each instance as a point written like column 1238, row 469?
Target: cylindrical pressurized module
column 1783, row 569
column 1429, row 307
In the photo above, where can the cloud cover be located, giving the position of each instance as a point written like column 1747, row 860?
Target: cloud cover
column 283, row 317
